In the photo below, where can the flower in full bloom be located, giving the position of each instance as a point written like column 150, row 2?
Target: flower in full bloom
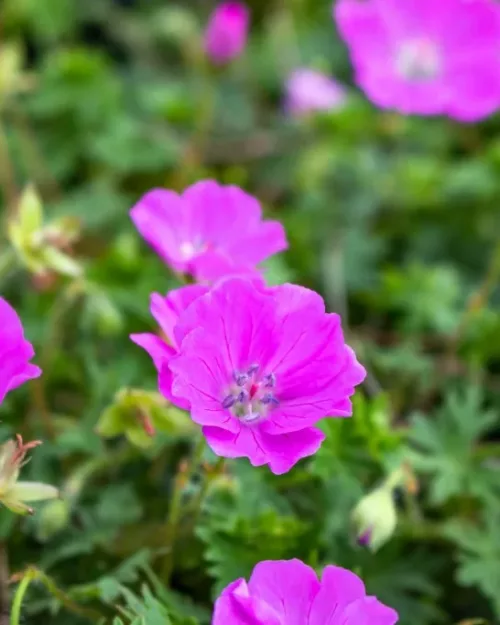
column 425, row 57
column 209, row 231
column 227, row 31
column 259, row 367
column 14, row 494
column 15, row 352
column 309, row 91
column 288, row 592
column 166, row 311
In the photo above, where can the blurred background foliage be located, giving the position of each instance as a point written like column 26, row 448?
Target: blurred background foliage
column 394, row 220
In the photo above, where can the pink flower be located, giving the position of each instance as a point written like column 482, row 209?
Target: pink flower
column 259, row 367
column 166, row 311
column 209, row 231
column 309, row 91
column 288, row 592
column 425, row 56
column 227, row 30
column 15, row 352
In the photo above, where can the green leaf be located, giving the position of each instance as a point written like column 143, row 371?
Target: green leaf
column 479, row 554
column 443, row 447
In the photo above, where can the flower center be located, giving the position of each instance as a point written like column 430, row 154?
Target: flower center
column 190, row 249
column 418, row 60
column 251, row 396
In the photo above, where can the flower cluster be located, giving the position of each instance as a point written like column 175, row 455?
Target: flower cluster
column 415, row 57
column 256, row 366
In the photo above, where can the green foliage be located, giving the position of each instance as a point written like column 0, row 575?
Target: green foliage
column 446, row 449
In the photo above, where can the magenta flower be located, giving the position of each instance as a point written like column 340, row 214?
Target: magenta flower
column 15, row 352
column 209, row 231
column 227, row 31
column 288, row 592
column 260, row 367
column 309, row 91
column 425, row 57
column 166, row 311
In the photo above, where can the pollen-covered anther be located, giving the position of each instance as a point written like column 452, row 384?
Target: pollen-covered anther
column 250, row 400
column 269, row 398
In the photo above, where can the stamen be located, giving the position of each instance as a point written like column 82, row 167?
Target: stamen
column 269, row 380
column 269, row 398
column 229, row 401
column 252, row 369
column 242, row 396
column 251, row 417
column 240, row 378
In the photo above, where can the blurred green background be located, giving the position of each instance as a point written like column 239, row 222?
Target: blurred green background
column 394, row 220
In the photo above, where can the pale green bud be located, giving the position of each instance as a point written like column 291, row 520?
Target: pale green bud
column 53, row 518
column 374, row 518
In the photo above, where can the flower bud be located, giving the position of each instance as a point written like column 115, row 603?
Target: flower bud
column 227, row 31
column 53, row 518
column 14, row 494
column 374, row 518
column 42, row 248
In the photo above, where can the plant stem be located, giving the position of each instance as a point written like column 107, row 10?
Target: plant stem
column 26, row 580
column 181, row 480
column 4, row 585
column 32, row 574
column 64, row 599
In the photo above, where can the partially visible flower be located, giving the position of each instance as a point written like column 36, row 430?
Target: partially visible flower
column 227, row 31
column 209, row 231
column 309, row 91
column 166, row 311
column 259, row 367
column 425, row 57
column 14, row 494
column 15, row 352
column 286, row 592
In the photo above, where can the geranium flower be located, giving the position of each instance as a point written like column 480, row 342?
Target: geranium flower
column 259, row 367
column 288, row 592
column 425, row 57
column 309, row 91
column 227, row 31
column 166, row 311
column 209, row 231
column 15, row 352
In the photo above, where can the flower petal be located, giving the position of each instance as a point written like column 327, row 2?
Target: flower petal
column 287, row 586
column 339, row 587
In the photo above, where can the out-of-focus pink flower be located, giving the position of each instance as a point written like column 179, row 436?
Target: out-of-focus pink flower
column 288, row 592
column 425, row 57
column 15, row 352
column 166, row 311
column 259, row 367
column 209, row 231
column 227, row 31
column 309, row 91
